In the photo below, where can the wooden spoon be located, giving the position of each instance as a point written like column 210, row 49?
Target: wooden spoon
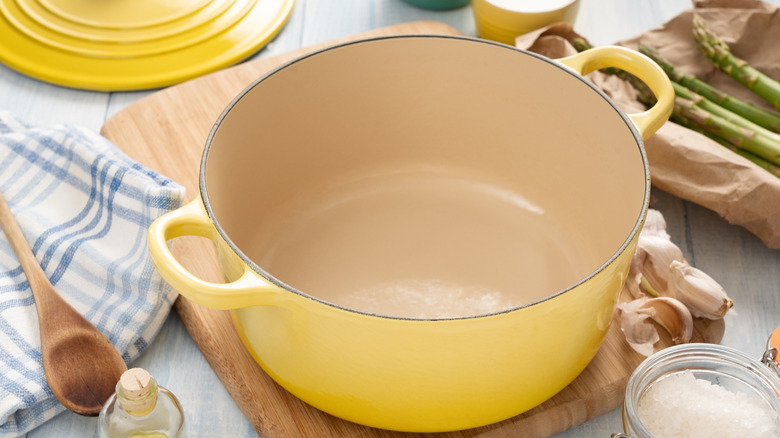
column 81, row 365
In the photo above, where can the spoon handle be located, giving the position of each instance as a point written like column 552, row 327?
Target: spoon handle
column 52, row 309
column 32, row 269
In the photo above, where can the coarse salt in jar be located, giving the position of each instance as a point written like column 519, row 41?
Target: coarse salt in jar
column 703, row 390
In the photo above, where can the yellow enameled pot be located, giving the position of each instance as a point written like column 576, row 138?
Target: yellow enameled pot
column 422, row 233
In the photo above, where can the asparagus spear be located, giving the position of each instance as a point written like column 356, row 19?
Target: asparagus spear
column 761, row 117
column 690, row 99
column 719, row 53
column 755, row 142
column 696, row 100
column 719, row 111
column 760, row 162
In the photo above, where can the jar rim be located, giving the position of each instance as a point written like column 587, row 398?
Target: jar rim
column 692, row 356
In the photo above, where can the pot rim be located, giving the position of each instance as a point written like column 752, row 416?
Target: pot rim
column 270, row 278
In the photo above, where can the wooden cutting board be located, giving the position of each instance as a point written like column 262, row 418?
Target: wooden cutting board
column 167, row 130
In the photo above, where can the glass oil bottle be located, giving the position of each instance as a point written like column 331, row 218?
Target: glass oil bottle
column 141, row 409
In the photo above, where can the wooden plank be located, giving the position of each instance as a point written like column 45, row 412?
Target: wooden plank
column 167, row 130
column 42, row 104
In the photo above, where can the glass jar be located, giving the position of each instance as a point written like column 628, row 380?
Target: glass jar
column 719, row 365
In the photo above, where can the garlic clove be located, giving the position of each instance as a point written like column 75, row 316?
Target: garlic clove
column 640, row 333
column 673, row 316
column 634, row 277
column 703, row 296
column 655, row 225
column 657, row 255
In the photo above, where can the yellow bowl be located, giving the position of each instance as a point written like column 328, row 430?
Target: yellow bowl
column 505, row 20
column 422, row 233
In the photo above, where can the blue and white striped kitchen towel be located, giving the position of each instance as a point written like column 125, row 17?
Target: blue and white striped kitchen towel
column 85, row 208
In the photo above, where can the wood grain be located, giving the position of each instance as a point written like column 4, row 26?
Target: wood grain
column 167, row 130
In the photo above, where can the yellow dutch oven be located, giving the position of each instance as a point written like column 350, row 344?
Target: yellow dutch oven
column 422, row 233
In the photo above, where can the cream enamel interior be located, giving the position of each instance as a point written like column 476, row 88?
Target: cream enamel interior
column 434, row 165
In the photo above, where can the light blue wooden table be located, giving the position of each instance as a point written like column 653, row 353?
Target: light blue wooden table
column 739, row 261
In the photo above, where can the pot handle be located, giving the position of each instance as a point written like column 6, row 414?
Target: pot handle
column 250, row 289
column 638, row 65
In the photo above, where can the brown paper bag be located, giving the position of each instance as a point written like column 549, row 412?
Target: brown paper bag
column 686, row 163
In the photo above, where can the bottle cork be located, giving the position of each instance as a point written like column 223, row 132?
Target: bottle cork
column 136, row 382
column 138, row 391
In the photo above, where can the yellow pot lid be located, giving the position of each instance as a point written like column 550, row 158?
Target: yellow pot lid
column 113, row 45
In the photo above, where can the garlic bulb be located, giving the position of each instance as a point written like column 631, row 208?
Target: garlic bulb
column 679, row 291
column 655, row 255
